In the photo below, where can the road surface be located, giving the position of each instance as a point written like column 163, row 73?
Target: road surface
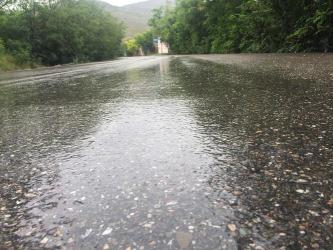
column 172, row 152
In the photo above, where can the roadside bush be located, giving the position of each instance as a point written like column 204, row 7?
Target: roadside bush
column 7, row 62
column 20, row 51
column 17, row 56
column 2, row 48
column 132, row 47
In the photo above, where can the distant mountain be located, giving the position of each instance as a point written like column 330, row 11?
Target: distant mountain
column 135, row 16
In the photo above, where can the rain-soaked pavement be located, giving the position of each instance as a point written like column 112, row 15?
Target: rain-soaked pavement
column 207, row 152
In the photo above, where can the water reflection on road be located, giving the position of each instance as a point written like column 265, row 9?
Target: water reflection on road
column 164, row 153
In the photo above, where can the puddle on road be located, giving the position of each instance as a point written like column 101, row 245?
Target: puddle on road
column 180, row 154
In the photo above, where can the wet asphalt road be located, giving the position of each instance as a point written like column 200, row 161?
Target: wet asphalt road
column 205, row 152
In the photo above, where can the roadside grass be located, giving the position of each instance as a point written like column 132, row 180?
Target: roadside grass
column 9, row 62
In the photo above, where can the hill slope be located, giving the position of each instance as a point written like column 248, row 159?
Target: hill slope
column 135, row 16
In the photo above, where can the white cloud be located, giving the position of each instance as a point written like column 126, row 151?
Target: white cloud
column 122, row 2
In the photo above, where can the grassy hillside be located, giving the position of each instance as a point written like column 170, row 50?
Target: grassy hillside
column 135, row 16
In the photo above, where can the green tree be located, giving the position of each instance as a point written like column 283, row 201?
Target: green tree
column 132, row 47
column 5, row 3
column 229, row 26
column 146, row 42
column 60, row 31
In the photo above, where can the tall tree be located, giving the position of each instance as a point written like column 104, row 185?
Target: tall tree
column 225, row 26
column 5, row 3
column 61, row 31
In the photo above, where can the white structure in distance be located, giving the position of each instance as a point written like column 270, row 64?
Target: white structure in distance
column 162, row 47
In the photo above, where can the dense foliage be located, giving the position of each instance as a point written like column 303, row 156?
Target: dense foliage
column 223, row 26
column 141, row 43
column 57, row 31
column 132, row 47
column 146, row 42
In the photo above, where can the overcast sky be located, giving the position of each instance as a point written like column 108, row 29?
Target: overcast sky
column 122, row 2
